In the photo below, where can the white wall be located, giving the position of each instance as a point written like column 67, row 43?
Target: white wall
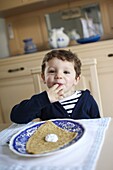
column 4, row 50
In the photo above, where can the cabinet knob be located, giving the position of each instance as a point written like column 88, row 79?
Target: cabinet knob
column 110, row 55
column 15, row 70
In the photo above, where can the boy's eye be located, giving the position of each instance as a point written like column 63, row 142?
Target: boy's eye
column 51, row 71
column 66, row 72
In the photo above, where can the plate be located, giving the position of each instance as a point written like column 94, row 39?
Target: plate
column 89, row 39
column 18, row 141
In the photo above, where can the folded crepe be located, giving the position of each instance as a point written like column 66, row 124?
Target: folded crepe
column 37, row 144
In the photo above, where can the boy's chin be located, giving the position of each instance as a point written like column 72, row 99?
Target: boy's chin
column 69, row 93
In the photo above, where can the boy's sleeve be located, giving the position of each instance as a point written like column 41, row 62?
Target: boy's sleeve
column 30, row 109
column 94, row 109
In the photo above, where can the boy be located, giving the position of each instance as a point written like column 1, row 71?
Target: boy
column 61, row 71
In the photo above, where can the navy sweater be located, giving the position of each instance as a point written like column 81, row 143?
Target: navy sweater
column 39, row 106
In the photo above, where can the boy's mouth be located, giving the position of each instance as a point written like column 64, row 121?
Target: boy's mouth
column 58, row 84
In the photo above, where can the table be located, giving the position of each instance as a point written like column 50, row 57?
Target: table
column 105, row 157
column 105, row 160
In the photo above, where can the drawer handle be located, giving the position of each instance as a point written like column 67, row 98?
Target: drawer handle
column 15, row 70
column 110, row 55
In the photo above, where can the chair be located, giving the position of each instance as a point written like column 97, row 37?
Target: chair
column 89, row 80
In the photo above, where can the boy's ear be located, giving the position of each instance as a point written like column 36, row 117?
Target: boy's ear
column 43, row 78
column 77, row 80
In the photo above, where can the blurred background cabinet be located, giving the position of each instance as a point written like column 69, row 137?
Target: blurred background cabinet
column 107, row 13
column 10, row 4
column 23, row 27
column 7, row 4
column 12, row 91
column 28, row 19
column 16, row 81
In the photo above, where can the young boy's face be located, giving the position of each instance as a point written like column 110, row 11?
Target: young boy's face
column 60, row 72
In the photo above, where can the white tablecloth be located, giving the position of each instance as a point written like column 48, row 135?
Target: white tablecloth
column 83, row 155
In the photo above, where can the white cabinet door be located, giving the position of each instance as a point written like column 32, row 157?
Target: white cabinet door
column 13, row 91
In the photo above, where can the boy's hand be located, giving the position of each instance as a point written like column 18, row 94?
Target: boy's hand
column 55, row 93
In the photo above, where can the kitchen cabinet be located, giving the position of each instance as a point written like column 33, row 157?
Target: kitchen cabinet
column 16, row 84
column 7, row 4
column 30, row 1
column 17, row 81
column 107, row 13
column 24, row 27
column 12, row 91
column 33, row 24
column 10, row 4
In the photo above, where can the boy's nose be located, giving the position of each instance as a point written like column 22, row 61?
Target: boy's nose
column 58, row 76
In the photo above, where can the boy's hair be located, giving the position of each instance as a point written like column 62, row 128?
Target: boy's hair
column 63, row 55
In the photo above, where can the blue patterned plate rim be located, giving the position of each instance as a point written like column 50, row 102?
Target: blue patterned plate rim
column 18, row 141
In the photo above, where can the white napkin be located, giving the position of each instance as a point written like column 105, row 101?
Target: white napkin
column 83, row 155
column 6, row 134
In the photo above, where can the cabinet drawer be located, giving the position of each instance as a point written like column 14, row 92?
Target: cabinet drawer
column 14, row 71
column 19, row 66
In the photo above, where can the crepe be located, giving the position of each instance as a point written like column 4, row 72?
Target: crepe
column 37, row 144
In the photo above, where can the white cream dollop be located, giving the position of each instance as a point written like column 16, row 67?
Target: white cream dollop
column 51, row 138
